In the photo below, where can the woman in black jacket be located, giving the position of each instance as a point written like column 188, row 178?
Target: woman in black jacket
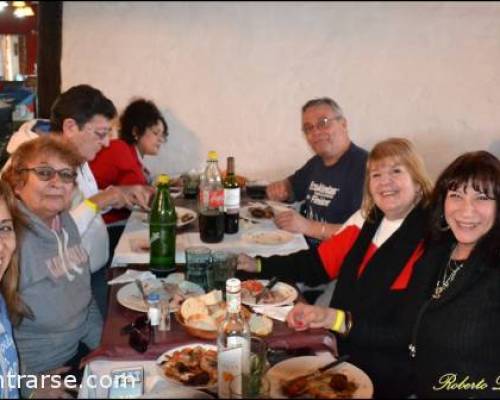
column 456, row 337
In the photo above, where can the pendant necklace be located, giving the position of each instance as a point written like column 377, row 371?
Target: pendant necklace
column 450, row 271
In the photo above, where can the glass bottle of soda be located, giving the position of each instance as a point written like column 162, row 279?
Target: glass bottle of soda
column 162, row 225
column 211, row 202
column 231, row 199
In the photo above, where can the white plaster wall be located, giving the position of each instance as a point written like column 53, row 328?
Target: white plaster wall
column 233, row 76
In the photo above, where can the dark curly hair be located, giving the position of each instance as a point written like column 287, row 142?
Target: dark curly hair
column 482, row 170
column 140, row 115
column 81, row 103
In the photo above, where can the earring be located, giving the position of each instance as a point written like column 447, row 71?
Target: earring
column 443, row 225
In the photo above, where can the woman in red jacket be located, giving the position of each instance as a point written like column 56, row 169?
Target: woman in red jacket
column 142, row 131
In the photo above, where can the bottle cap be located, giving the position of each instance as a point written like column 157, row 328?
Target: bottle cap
column 162, row 179
column 153, row 297
column 212, row 155
column 233, row 285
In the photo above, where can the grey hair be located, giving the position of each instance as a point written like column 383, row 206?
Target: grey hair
column 324, row 101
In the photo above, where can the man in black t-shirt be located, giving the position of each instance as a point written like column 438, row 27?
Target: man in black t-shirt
column 330, row 183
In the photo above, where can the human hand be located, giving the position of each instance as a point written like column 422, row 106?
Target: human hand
column 291, row 221
column 112, row 196
column 59, row 392
column 305, row 316
column 139, row 195
column 246, row 263
column 279, row 191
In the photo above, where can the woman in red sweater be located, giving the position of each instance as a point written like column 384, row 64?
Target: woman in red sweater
column 142, row 131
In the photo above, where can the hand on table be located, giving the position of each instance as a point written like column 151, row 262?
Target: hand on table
column 279, row 191
column 305, row 316
column 292, row 221
column 246, row 263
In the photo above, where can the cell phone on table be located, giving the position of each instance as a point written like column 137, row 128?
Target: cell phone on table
column 126, row 383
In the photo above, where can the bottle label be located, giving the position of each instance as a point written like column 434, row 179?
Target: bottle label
column 230, row 367
column 232, row 200
column 154, row 316
column 212, row 198
column 233, row 302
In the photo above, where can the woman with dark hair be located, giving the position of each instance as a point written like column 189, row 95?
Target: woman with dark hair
column 456, row 333
column 142, row 131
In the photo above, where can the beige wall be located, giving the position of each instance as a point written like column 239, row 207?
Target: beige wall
column 233, row 76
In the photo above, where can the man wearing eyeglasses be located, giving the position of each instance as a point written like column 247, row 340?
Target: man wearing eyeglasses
column 83, row 115
column 330, row 183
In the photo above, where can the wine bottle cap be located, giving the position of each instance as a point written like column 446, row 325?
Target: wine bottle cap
column 233, row 285
column 212, row 155
column 162, row 179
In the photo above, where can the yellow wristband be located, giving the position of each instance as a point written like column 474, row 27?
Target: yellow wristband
column 258, row 265
column 92, row 205
column 339, row 320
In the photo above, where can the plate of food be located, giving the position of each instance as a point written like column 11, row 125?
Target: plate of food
column 258, row 211
column 184, row 216
column 268, row 238
column 193, row 365
column 342, row 381
column 279, row 295
column 171, row 288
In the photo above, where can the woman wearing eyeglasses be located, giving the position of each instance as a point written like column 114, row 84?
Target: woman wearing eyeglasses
column 61, row 319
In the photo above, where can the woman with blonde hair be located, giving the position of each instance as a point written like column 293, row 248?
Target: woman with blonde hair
column 372, row 257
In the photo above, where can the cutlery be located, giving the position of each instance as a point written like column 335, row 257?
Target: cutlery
column 266, row 289
column 296, row 386
column 249, row 220
column 138, row 283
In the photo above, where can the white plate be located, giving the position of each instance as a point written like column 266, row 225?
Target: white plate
column 168, row 353
column 181, row 212
column 268, row 238
column 294, row 367
column 128, row 296
column 285, row 288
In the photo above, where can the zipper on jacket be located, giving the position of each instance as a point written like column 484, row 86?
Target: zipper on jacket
column 412, row 347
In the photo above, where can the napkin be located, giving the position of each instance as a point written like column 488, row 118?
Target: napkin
column 131, row 275
column 278, row 313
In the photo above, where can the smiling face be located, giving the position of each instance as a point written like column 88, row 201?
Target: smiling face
column 46, row 198
column 393, row 188
column 328, row 139
column 470, row 215
column 7, row 237
column 154, row 136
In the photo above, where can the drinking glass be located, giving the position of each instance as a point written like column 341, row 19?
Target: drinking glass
column 262, row 391
column 190, row 184
column 223, row 268
column 198, row 265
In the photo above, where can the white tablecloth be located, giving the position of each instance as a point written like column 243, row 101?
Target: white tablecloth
column 136, row 233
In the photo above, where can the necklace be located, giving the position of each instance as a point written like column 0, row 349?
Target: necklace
column 450, row 271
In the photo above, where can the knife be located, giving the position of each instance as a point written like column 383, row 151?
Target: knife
column 141, row 290
column 266, row 289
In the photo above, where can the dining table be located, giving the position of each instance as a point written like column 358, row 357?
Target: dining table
column 114, row 350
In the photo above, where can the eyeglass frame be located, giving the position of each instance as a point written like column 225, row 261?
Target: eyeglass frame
column 53, row 173
column 321, row 123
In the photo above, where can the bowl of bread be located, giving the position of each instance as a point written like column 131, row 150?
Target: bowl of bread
column 201, row 315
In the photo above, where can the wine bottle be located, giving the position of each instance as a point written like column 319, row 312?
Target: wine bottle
column 232, row 193
column 233, row 343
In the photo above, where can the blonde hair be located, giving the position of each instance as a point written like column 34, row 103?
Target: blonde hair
column 403, row 151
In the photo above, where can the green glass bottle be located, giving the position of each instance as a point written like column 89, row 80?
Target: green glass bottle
column 162, row 225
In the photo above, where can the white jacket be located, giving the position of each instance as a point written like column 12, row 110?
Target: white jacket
column 90, row 225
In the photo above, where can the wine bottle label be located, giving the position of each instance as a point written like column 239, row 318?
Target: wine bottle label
column 229, row 368
column 233, row 302
column 232, row 199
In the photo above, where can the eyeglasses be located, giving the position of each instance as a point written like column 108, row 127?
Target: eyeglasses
column 322, row 123
column 140, row 334
column 46, row 173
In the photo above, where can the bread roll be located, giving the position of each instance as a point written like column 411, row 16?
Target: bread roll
column 202, row 321
column 192, row 306
column 211, row 298
column 260, row 325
